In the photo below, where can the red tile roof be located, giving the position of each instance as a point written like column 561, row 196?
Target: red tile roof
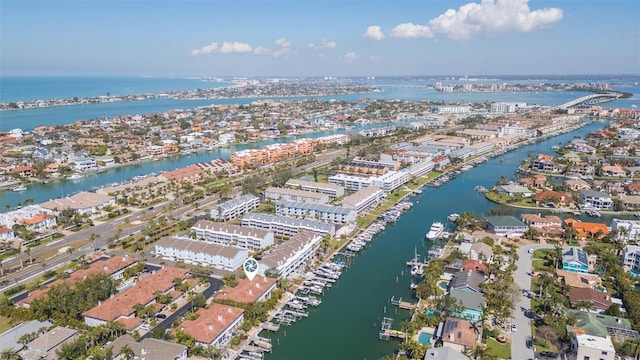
column 211, row 322
column 141, row 293
column 247, row 291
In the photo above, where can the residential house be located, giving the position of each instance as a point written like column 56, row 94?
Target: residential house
column 444, row 353
column 577, row 184
column 553, row 199
column 513, row 190
column 618, row 328
column 613, row 171
column 631, row 258
column 545, row 163
column 575, row 259
column 467, row 281
column 215, row 326
column 6, row 234
column 587, row 229
column 599, row 300
column 585, row 347
column 9, row 339
column 460, row 335
column 148, row 348
column 626, row 230
column 596, row 199
column 507, row 226
column 472, row 304
column 46, row 345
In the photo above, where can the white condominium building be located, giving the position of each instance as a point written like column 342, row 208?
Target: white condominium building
column 200, row 252
column 232, row 208
column 331, row 190
column 387, row 182
column 291, row 255
column 365, row 199
column 336, row 214
column 275, row 193
column 287, row 226
column 228, row 234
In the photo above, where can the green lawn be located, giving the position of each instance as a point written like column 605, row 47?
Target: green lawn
column 4, row 324
column 502, row 351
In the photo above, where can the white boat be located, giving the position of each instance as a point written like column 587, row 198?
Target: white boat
column 453, row 217
column 74, row 177
column 435, row 231
column 19, row 188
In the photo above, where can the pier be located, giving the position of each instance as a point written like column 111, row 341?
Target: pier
column 403, row 304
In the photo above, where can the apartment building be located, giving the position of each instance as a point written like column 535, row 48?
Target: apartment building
column 336, row 214
column 287, row 226
column 365, row 199
column 215, row 326
column 331, row 190
column 228, row 234
column 232, row 208
column 288, row 257
column 201, row 252
column 275, row 193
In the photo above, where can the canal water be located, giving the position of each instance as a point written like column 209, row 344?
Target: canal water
column 347, row 323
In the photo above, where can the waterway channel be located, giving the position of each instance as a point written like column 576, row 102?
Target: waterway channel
column 347, row 323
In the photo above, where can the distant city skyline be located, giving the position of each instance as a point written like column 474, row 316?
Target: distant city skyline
column 318, row 38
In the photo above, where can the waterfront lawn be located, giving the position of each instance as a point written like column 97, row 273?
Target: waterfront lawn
column 502, row 351
column 393, row 198
column 510, row 200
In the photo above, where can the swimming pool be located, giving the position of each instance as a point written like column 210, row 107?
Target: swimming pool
column 424, row 338
column 429, row 312
column 634, row 272
column 443, row 285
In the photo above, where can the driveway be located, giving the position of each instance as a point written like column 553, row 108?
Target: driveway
column 522, row 312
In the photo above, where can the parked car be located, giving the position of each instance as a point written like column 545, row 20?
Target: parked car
column 514, row 328
column 161, row 316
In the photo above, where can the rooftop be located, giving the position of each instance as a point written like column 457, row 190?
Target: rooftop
column 211, row 322
column 247, row 291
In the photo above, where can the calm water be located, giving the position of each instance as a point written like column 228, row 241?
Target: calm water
column 44, row 88
column 63, row 187
column 406, row 89
column 346, row 324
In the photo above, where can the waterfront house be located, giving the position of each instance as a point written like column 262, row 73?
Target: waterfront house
column 460, row 335
column 630, row 202
column 614, row 171
column 633, row 188
column 467, row 281
column 472, row 304
column 631, row 258
column 85, row 203
column 596, row 199
column 545, row 163
column 577, row 184
column 149, row 348
column 554, row 199
column 513, row 190
column 444, row 353
column 38, row 223
column 575, row 259
column 507, row 226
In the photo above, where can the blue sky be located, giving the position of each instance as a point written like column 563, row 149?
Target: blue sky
column 318, row 38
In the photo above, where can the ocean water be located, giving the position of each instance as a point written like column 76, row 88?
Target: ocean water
column 44, row 88
column 414, row 89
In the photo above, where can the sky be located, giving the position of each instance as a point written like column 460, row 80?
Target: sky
column 318, row 38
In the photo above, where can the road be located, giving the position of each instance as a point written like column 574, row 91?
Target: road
column 522, row 315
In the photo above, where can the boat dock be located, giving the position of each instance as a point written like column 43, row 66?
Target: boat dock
column 403, row 304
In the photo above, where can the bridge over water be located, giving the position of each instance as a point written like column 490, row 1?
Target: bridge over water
column 592, row 99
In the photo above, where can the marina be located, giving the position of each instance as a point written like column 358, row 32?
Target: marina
column 385, row 260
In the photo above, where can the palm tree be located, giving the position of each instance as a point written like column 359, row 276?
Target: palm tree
column 127, row 352
column 9, row 354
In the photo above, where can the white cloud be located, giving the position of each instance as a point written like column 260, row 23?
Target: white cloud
column 207, row 49
column 493, row 17
column 374, row 32
column 282, row 42
column 411, row 31
column 235, row 47
column 350, row 56
column 325, row 44
column 261, row 50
